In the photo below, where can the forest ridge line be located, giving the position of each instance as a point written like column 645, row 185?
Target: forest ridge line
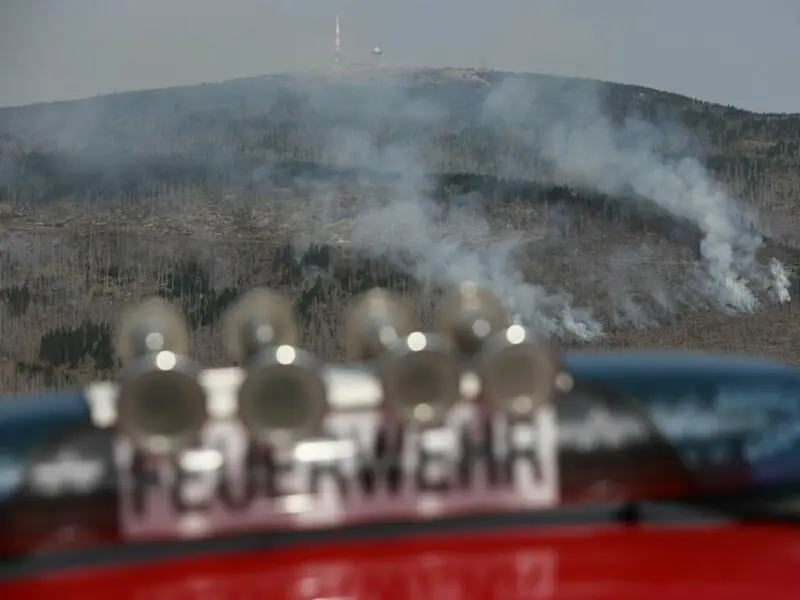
column 355, row 72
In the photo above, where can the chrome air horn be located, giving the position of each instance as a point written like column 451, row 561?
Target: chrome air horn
column 468, row 315
column 419, row 372
column 283, row 398
column 375, row 321
column 518, row 373
column 161, row 405
column 301, row 444
column 476, row 355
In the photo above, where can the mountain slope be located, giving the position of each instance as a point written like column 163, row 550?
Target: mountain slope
column 625, row 200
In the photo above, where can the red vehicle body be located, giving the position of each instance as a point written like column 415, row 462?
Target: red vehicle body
column 553, row 559
column 709, row 562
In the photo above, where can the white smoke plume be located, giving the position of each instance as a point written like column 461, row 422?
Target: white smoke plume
column 566, row 126
column 439, row 246
column 586, row 148
column 463, row 248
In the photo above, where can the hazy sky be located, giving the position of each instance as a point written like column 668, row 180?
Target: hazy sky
column 742, row 52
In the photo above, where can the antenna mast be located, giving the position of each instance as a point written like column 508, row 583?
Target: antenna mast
column 338, row 43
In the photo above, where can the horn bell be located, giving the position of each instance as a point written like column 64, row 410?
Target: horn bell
column 161, row 405
column 150, row 327
column 421, row 378
column 375, row 322
column 259, row 319
column 469, row 315
column 519, row 373
column 283, row 398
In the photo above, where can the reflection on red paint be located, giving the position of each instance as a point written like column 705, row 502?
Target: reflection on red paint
column 522, row 574
column 579, row 563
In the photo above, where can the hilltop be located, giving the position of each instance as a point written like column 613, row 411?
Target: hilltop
column 323, row 184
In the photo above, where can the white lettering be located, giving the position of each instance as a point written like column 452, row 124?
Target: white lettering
column 362, row 470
